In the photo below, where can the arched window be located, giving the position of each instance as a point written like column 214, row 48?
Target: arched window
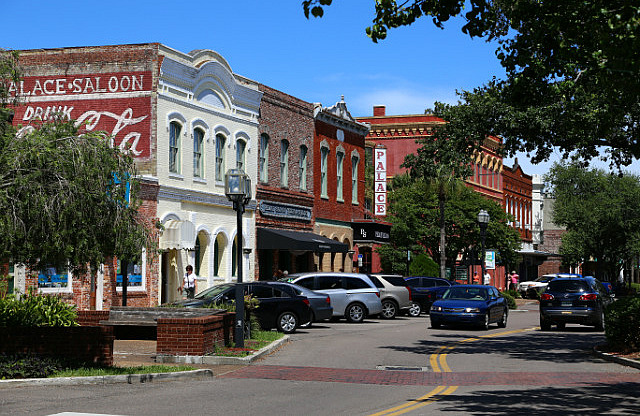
column 241, row 145
column 198, row 160
column 216, row 258
column 264, row 158
column 174, row 147
column 284, row 163
column 220, row 139
column 303, row 168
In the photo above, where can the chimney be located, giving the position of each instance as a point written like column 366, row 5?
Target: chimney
column 379, row 110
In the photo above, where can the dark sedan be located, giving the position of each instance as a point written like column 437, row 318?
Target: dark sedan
column 280, row 306
column 569, row 300
column 320, row 303
column 425, row 290
column 470, row 304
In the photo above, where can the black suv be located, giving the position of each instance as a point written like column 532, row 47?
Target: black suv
column 425, row 291
column 573, row 300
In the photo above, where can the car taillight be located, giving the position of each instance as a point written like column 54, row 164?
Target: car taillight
column 410, row 294
column 546, row 296
column 378, row 293
column 588, row 296
column 328, row 300
column 306, row 301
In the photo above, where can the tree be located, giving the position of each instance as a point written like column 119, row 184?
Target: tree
column 63, row 196
column 572, row 71
column 601, row 215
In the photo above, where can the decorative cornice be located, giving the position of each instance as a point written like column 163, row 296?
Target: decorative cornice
column 204, row 198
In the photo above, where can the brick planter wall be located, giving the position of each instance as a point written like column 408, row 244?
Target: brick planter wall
column 92, row 344
column 92, row 318
column 194, row 336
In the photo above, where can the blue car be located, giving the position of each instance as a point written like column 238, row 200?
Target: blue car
column 479, row 305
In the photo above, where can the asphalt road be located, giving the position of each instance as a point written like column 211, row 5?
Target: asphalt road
column 399, row 367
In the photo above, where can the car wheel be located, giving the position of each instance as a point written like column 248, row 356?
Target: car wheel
column 355, row 313
column 310, row 323
column 485, row 324
column 502, row 323
column 389, row 309
column 287, row 322
column 415, row 309
column 544, row 324
column 600, row 322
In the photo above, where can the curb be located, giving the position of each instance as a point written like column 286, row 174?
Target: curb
column 616, row 359
column 119, row 379
column 219, row 360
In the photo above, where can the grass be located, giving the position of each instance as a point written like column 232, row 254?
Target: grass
column 259, row 339
column 116, row 371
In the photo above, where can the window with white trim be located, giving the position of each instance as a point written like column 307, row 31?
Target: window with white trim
column 198, row 161
column 339, row 175
column 354, row 179
column 220, row 139
column 241, row 146
column 303, row 168
column 324, row 159
column 136, row 278
column 284, row 163
column 174, row 146
column 52, row 279
column 264, row 158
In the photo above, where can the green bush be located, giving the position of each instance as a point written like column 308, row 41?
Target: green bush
column 29, row 366
column 35, row 309
column 511, row 301
column 513, row 293
column 622, row 324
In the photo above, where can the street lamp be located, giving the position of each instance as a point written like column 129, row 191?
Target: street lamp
column 483, row 221
column 237, row 187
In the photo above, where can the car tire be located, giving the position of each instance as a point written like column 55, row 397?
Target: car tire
column 415, row 309
column 389, row 309
column 287, row 322
column 544, row 324
column 485, row 323
column 355, row 313
column 502, row 323
column 600, row 323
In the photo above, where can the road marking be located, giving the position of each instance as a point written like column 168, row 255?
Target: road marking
column 410, row 405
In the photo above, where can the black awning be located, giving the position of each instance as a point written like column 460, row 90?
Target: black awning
column 272, row 239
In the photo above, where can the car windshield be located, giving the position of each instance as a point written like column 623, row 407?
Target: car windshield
column 465, row 292
column 542, row 279
column 213, row 291
column 568, row 286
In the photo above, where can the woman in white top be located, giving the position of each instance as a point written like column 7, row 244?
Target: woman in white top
column 188, row 283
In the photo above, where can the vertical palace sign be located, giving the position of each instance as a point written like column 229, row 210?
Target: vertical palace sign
column 380, row 184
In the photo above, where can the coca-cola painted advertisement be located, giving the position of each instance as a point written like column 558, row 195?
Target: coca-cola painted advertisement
column 117, row 103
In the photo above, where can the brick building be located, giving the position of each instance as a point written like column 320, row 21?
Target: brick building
column 185, row 118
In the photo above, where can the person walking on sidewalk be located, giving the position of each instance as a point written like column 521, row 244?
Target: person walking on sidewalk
column 513, row 285
column 188, row 286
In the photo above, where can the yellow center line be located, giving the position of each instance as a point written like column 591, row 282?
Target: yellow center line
column 420, row 400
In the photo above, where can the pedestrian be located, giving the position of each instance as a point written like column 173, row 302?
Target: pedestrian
column 285, row 274
column 277, row 275
column 487, row 278
column 513, row 285
column 188, row 285
column 476, row 278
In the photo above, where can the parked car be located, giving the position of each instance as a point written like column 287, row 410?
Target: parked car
column 280, row 306
column 395, row 295
column 424, row 291
column 320, row 303
column 533, row 288
column 470, row 304
column 353, row 295
column 575, row 300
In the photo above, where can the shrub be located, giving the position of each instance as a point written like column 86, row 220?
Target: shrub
column 35, row 309
column 513, row 293
column 622, row 324
column 511, row 301
column 28, row 366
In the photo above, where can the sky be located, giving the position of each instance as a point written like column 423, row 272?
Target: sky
column 317, row 60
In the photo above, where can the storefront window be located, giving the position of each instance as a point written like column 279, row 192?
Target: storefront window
column 52, row 279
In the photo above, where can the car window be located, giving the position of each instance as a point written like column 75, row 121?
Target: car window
column 568, row 286
column 306, row 282
column 462, row 292
column 356, row 283
column 260, row 291
column 429, row 283
column 395, row 280
column 279, row 293
column 413, row 282
column 213, row 291
column 329, row 282
column 376, row 282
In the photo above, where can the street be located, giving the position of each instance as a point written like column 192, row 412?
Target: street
column 382, row 367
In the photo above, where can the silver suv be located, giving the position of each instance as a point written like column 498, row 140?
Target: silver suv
column 394, row 294
column 353, row 295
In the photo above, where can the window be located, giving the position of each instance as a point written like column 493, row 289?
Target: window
column 303, row 168
column 174, row 147
column 134, row 275
column 284, row 163
column 260, row 291
column 264, row 158
column 220, row 139
column 241, row 145
column 354, row 179
column 216, row 258
column 52, row 280
column 198, row 139
column 307, row 282
column 339, row 170
column 329, row 282
column 355, row 283
column 324, row 156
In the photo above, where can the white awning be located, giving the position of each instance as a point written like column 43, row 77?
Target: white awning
column 178, row 235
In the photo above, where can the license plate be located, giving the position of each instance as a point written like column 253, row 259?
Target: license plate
column 566, row 303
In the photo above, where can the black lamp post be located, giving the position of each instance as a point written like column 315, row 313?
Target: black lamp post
column 483, row 221
column 237, row 187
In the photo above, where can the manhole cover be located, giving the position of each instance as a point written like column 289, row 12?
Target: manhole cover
column 400, row 368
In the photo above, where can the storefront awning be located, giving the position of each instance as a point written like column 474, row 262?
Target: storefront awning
column 178, row 235
column 272, row 239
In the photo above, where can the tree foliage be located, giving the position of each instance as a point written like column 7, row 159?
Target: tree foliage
column 60, row 201
column 572, row 71
column 601, row 214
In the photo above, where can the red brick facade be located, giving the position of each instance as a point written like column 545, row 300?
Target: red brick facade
column 517, row 200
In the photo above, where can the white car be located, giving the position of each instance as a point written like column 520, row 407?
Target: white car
column 540, row 284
